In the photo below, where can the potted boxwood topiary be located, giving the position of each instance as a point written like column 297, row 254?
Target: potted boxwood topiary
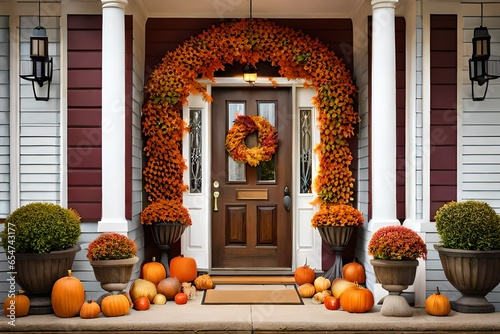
column 40, row 240
column 470, row 252
column 112, row 256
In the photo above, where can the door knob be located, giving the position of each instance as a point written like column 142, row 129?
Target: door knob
column 287, row 200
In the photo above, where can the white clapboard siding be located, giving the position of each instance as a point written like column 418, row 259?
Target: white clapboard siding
column 40, row 125
column 4, row 117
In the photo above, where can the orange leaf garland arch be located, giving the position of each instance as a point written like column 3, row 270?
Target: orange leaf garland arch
column 298, row 56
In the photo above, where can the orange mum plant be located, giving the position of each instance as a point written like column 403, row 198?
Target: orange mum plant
column 397, row 243
column 167, row 211
column 248, row 41
column 337, row 215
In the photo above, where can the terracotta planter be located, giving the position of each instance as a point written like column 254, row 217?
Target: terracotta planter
column 337, row 237
column 164, row 235
column 37, row 273
column 395, row 276
column 114, row 275
column 474, row 274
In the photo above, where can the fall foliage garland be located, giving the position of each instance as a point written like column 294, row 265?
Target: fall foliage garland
column 248, row 41
column 244, row 126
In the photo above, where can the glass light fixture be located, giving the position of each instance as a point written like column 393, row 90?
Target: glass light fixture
column 39, row 69
column 250, row 73
column 482, row 67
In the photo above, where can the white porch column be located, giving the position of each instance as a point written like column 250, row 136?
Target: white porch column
column 113, row 116
column 383, row 137
column 383, row 148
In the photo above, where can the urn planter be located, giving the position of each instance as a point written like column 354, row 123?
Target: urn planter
column 395, row 276
column 165, row 234
column 37, row 273
column 474, row 274
column 114, row 275
column 337, row 237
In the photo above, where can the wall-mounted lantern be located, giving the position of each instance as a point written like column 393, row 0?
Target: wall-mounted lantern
column 39, row 68
column 482, row 66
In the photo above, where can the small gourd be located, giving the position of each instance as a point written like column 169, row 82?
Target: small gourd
column 321, row 284
column 154, row 271
column 115, row 305
column 90, row 310
column 68, row 296
column 204, row 282
column 306, row 290
column 17, row 305
column 437, row 304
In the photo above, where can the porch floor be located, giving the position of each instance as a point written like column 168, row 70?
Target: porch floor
column 194, row 317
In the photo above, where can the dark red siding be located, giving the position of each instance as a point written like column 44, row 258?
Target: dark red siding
column 84, row 115
column 443, row 117
column 400, row 36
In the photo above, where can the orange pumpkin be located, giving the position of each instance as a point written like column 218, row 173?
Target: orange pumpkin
column 354, row 272
column 357, row 299
column 115, row 305
column 183, row 268
column 16, row 305
column 68, row 296
column 90, row 310
column 437, row 304
column 304, row 274
column 153, row 271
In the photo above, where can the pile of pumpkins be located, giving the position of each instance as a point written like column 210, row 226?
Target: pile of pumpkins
column 348, row 292
column 154, row 287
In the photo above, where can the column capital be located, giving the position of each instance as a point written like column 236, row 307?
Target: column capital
column 114, row 3
column 384, row 4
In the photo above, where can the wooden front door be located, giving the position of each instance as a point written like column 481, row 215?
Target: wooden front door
column 251, row 222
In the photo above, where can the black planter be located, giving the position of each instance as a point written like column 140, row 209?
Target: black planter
column 474, row 274
column 337, row 237
column 164, row 235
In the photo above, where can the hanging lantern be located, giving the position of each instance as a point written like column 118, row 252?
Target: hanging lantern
column 482, row 67
column 39, row 69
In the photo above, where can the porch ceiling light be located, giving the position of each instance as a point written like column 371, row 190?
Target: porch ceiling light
column 482, row 66
column 250, row 73
column 39, row 68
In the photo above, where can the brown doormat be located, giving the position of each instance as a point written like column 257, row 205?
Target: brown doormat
column 281, row 295
column 262, row 279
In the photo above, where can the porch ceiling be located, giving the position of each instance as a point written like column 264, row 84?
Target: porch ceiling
column 260, row 8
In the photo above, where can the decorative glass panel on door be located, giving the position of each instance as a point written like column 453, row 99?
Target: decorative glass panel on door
column 305, row 151
column 267, row 169
column 236, row 171
column 195, row 141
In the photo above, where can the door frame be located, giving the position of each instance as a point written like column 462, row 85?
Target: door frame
column 196, row 240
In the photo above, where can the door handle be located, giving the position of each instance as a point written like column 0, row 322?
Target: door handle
column 216, row 195
column 287, row 200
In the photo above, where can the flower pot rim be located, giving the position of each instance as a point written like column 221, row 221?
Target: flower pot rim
column 62, row 252
column 129, row 261
column 394, row 263
column 441, row 248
